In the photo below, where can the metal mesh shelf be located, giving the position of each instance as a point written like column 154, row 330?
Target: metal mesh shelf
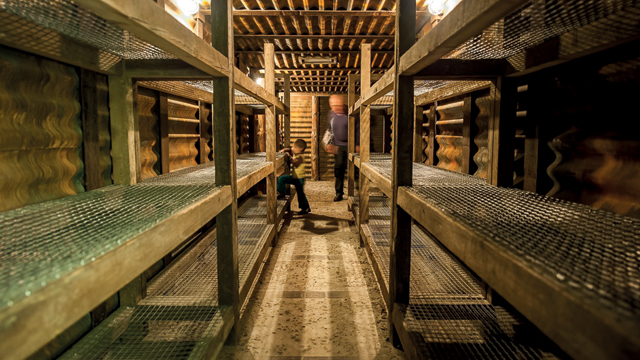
column 67, row 18
column 179, row 316
column 44, row 242
column 448, row 317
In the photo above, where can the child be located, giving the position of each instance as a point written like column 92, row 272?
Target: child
column 297, row 178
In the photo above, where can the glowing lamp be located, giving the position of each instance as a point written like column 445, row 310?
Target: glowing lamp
column 188, row 7
column 436, row 7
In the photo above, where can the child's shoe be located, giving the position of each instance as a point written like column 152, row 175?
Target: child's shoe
column 303, row 212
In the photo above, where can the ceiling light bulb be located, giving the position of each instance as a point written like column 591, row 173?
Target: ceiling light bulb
column 436, row 7
column 188, row 7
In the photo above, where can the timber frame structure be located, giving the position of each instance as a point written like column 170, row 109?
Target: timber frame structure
column 407, row 203
column 142, row 223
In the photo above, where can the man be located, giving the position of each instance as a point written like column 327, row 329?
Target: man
column 338, row 122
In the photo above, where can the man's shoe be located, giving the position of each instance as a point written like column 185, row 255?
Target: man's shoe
column 303, row 212
column 281, row 195
column 337, row 198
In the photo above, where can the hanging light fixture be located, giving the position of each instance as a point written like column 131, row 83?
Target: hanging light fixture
column 436, row 7
column 188, row 7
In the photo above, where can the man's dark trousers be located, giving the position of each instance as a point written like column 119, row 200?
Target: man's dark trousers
column 339, row 167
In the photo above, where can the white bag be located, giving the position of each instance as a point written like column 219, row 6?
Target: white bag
column 328, row 140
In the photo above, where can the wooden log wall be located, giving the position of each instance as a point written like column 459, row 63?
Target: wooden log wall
column 242, row 133
column 581, row 147
column 301, row 124
column 41, row 154
column 148, row 104
column 206, row 132
column 183, row 133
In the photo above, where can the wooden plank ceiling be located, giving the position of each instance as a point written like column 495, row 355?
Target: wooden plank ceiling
column 317, row 28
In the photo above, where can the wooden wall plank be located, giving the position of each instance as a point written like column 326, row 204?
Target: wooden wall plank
column 402, row 167
column 271, row 132
column 365, row 133
column 125, row 137
column 316, row 133
column 417, row 134
column 351, row 100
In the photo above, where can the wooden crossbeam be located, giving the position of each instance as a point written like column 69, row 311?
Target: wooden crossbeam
column 312, row 36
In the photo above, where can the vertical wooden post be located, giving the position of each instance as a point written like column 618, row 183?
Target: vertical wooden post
column 163, row 125
column 469, row 132
column 315, row 137
column 202, row 151
column 90, row 129
column 365, row 133
column 125, row 136
column 432, row 134
column 502, row 133
column 417, row 134
column 387, row 133
column 351, row 100
column 287, row 117
column 272, row 132
column 224, row 133
column 402, row 167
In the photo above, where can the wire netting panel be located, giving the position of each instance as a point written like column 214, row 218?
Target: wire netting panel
column 448, row 316
column 83, row 26
column 151, row 331
column 44, row 242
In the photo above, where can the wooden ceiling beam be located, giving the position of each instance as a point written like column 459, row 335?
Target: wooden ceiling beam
column 327, row 69
column 311, row 36
column 367, row 13
column 314, row 52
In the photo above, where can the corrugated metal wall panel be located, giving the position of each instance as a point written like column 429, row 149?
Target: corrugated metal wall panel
column 149, row 136
column 183, row 133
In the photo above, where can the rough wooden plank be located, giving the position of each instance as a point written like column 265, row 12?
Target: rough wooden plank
column 247, row 182
column 361, row 13
column 417, row 134
column 202, row 150
column 379, row 181
column 466, row 20
column 271, row 132
column 224, row 133
column 365, row 133
column 315, row 138
column 90, row 130
column 154, row 25
column 380, row 88
column 351, row 100
column 37, row 319
column 163, row 125
column 469, row 132
column 251, row 88
column 584, row 329
column 402, row 167
column 502, row 132
column 456, row 69
column 163, row 69
column 125, row 137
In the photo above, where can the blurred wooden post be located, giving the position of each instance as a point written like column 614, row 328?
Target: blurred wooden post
column 316, row 133
column 365, row 134
column 402, row 167
column 502, row 133
column 224, row 132
column 163, row 125
column 271, row 132
column 351, row 100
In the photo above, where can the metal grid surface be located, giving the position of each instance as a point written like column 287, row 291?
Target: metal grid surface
column 255, row 208
column 448, row 317
column 589, row 24
column 167, row 331
column 180, row 310
column 83, row 26
column 594, row 253
column 43, row 242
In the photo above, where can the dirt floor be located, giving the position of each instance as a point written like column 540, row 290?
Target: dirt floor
column 317, row 297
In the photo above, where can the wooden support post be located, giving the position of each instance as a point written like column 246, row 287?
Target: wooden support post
column 402, row 167
column 224, row 132
column 365, row 135
column 287, row 123
column 351, row 100
column 272, row 132
column 133, row 292
column 315, row 138
column 537, row 154
column 163, row 124
column 432, row 135
column 417, row 134
column 387, row 133
column 91, row 129
column 125, row 136
column 469, row 132
column 502, row 133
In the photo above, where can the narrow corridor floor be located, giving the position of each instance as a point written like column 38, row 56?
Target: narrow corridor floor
column 317, row 297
